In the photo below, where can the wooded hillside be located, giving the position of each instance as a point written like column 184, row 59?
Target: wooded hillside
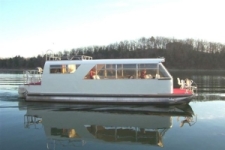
column 179, row 54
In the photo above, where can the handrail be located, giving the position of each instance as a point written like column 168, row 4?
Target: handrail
column 187, row 84
column 51, row 56
column 32, row 76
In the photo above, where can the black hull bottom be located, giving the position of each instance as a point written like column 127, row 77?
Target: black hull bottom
column 170, row 100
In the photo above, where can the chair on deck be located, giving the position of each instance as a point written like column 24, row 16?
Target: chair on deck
column 40, row 70
column 186, row 84
column 181, row 83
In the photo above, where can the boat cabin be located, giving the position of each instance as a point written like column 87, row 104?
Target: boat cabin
column 108, row 76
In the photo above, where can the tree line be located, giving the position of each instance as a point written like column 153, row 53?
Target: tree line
column 179, row 54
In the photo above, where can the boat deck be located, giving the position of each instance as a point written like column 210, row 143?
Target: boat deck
column 181, row 91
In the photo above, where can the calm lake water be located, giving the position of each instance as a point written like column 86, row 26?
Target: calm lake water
column 38, row 126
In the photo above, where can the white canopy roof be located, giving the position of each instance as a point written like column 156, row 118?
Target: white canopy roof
column 110, row 61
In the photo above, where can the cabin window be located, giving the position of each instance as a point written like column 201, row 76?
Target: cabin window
column 110, row 71
column 101, row 70
column 126, row 71
column 70, row 133
column 64, row 68
column 163, row 72
column 150, row 70
column 94, row 72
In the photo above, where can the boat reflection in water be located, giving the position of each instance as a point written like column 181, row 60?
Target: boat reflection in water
column 79, row 124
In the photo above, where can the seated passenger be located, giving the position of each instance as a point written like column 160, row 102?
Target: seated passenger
column 157, row 76
column 148, row 76
column 143, row 74
column 131, row 77
column 92, row 74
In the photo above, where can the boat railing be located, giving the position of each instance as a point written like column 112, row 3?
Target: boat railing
column 32, row 76
column 53, row 142
column 51, row 56
column 82, row 57
column 32, row 121
column 187, row 84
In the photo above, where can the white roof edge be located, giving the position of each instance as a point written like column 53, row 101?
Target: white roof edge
column 110, row 61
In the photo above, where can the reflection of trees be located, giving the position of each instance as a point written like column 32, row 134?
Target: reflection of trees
column 179, row 54
column 206, row 97
column 210, row 83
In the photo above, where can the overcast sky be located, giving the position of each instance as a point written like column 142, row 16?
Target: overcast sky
column 30, row 27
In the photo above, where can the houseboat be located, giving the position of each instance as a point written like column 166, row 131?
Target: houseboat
column 86, row 80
